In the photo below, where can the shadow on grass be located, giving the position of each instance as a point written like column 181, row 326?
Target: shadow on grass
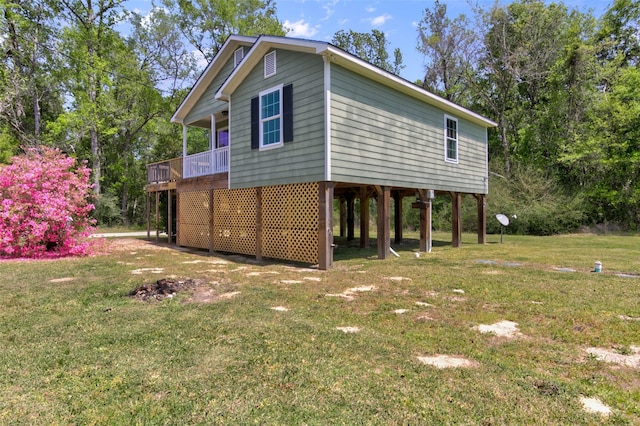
column 343, row 250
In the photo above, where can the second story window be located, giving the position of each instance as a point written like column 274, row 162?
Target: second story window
column 450, row 139
column 271, row 118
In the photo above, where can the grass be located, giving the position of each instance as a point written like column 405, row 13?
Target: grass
column 76, row 350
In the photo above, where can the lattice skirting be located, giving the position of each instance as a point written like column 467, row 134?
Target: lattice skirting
column 234, row 220
column 288, row 221
column 194, row 217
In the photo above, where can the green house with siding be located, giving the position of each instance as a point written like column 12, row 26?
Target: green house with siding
column 292, row 125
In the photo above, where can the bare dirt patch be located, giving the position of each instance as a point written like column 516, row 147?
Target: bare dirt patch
column 348, row 329
column 147, row 270
column 164, row 288
column 628, row 318
column 447, row 361
column 257, row 274
column 349, row 294
column 629, row 357
column 209, row 295
column 398, row 279
column 594, row 406
column 62, row 280
column 134, row 244
column 508, row 329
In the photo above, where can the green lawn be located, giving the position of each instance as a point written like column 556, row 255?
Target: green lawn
column 74, row 349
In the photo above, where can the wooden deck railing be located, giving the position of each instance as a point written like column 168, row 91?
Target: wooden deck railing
column 165, row 171
column 207, row 163
column 200, row 164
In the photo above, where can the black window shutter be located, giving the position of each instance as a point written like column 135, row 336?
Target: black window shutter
column 255, row 123
column 287, row 112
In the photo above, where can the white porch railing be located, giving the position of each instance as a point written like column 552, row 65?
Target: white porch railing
column 206, row 163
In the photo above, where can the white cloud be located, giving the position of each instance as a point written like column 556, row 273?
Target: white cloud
column 329, row 8
column 380, row 20
column 201, row 61
column 300, row 29
column 370, row 9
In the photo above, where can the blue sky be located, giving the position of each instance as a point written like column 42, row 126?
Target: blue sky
column 321, row 19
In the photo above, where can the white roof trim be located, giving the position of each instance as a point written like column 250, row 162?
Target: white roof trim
column 263, row 44
column 228, row 48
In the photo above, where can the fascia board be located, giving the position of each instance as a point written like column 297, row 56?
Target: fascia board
column 207, row 76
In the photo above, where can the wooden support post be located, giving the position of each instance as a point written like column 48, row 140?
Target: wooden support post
column 177, row 218
column 259, row 223
column 424, row 204
column 482, row 218
column 148, row 215
column 397, row 219
column 169, row 217
column 364, row 217
column 384, row 222
column 456, row 219
column 325, row 225
column 211, row 223
column 157, row 216
column 343, row 216
column 351, row 212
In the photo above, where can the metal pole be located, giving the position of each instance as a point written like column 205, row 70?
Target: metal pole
column 429, row 225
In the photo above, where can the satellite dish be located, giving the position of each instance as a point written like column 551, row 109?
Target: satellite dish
column 504, row 220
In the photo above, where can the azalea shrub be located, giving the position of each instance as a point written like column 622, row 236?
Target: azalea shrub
column 45, row 205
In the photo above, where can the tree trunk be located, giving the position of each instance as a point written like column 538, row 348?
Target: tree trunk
column 505, row 144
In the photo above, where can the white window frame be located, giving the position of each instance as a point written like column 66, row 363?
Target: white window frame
column 238, row 55
column 278, row 116
column 270, row 64
column 447, row 138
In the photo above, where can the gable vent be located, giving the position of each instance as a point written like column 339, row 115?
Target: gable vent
column 237, row 56
column 270, row 64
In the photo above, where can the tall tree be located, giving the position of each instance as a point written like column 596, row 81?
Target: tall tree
column 160, row 48
column 524, row 44
column 28, row 93
column 87, row 41
column 371, row 47
column 208, row 23
column 449, row 48
column 619, row 34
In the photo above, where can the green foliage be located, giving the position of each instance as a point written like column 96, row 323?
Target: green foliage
column 540, row 205
column 448, row 46
column 107, row 211
column 208, row 23
column 8, row 145
column 369, row 47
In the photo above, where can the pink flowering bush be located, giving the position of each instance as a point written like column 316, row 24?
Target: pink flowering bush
column 45, row 202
